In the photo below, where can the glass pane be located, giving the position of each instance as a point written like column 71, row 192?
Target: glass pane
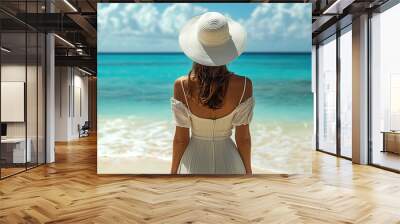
column 22, row 67
column 13, row 86
column 41, row 98
column 31, row 85
column 1, row 125
column 346, row 94
column 327, row 96
column 31, row 97
column 386, row 89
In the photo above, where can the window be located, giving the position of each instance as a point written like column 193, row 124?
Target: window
column 22, row 77
column 346, row 93
column 385, row 89
column 327, row 96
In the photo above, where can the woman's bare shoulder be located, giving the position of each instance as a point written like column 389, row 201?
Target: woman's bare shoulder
column 178, row 94
column 178, row 82
column 180, row 79
column 238, row 80
column 238, row 85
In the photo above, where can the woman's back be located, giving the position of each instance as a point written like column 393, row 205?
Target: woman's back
column 207, row 123
column 212, row 128
column 239, row 90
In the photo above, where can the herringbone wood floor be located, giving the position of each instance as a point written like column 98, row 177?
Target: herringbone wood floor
column 70, row 191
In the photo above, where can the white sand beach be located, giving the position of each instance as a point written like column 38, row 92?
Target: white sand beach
column 135, row 146
column 132, row 165
column 143, row 165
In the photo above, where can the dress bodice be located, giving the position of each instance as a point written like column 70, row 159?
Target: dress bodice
column 219, row 128
column 212, row 129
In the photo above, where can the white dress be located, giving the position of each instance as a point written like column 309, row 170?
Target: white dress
column 211, row 149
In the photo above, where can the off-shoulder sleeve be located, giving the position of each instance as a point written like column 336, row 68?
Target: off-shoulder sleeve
column 244, row 113
column 180, row 113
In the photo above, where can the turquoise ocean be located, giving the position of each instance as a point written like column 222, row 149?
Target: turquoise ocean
column 135, row 121
column 141, row 84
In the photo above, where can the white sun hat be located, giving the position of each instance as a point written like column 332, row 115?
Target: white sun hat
column 212, row 39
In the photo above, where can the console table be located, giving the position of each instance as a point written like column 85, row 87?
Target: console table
column 13, row 150
column 391, row 141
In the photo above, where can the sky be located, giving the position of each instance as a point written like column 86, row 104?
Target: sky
column 154, row 27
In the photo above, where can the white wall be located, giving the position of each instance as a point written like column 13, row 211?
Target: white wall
column 71, row 87
column 14, row 72
column 81, row 94
column 33, row 127
column 17, row 72
column 62, row 82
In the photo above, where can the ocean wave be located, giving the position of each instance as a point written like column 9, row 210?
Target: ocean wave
column 285, row 147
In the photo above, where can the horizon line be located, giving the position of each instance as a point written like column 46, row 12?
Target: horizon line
column 179, row 52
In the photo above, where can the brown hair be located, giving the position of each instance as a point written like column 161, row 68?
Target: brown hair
column 213, row 82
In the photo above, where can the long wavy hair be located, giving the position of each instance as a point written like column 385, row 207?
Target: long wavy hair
column 213, row 82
